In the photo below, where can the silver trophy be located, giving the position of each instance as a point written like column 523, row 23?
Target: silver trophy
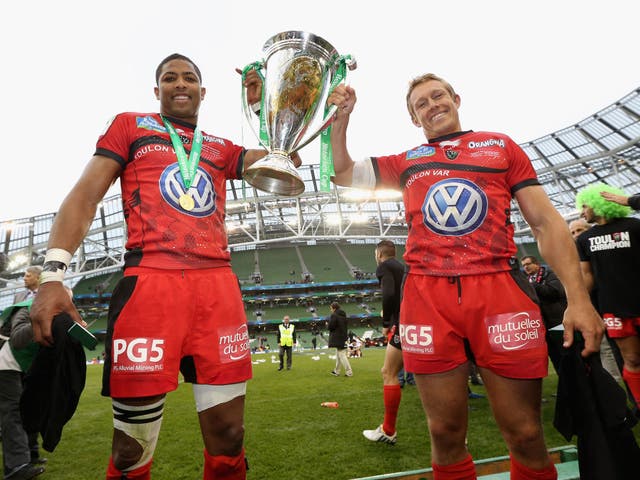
column 301, row 71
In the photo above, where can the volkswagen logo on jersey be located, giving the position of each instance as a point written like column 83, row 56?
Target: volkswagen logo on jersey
column 454, row 206
column 202, row 191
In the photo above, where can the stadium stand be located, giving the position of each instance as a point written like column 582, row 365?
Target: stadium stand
column 323, row 263
column 244, row 265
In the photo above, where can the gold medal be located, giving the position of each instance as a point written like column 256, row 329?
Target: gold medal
column 186, row 202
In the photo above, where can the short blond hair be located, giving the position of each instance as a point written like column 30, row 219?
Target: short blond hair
column 427, row 77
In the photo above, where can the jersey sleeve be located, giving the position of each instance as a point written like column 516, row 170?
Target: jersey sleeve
column 387, row 171
column 115, row 141
column 236, row 164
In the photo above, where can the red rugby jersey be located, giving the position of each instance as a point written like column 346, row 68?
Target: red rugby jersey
column 160, row 233
column 457, row 192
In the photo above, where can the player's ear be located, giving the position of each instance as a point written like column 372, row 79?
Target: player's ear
column 203, row 91
column 156, row 92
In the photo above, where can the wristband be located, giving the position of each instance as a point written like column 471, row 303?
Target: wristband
column 58, row 255
column 46, row 277
column 56, row 261
column 256, row 107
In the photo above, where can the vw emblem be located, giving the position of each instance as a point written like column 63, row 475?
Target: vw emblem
column 202, row 191
column 454, row 206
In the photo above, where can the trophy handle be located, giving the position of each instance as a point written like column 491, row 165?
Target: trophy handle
column 344, row 63
column 258, row 66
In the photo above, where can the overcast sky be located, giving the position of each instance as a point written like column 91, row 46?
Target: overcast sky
column 525, row 68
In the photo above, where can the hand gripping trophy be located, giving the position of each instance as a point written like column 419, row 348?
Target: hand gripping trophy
column 301, row 70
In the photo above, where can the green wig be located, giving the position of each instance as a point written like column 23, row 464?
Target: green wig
column 590, row 196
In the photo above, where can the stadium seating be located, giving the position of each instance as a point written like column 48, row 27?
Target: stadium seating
column 268, row 301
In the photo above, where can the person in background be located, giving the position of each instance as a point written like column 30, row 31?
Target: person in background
column 31, row 281
column 609, row 354
column 286, row 337
column 610, row 260
column 632, row 201
column 16, row 356
column 405, row 377
column 553, row 302
column 390, row 272
column 338, row 335
column 178, row 306
column 464, row 285
column 577, row 226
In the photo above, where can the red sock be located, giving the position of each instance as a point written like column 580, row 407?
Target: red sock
column 633, row 381
column 220, row 467
column 392, row 395
column 464, row 470
column 140, row 473
column 520, row 472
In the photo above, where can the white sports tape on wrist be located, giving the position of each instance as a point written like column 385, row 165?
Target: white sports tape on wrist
column 58, row 255
column 46, row 277
column 56, row 261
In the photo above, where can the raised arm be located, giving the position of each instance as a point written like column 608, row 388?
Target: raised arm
column 344, row 97
column 559, row 250
column 633, row 201
column 70, row 226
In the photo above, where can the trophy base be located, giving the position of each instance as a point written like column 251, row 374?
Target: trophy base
column 276, row 174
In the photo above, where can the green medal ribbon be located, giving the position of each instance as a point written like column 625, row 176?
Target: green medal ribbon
column 262, row 133
column 326, row 154
column 264, row 138
column 188, row 166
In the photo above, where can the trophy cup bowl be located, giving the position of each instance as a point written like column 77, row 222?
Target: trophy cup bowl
column 299, row 70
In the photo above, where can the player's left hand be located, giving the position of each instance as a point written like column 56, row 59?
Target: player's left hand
column 583, row 318
column 253, row 83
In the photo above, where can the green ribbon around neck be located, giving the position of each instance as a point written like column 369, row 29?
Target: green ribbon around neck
column 188, row 165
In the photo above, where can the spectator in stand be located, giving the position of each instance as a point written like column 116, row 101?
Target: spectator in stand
column 464, row 284
column 610, row 260
column 553, row 302
column 338, row 336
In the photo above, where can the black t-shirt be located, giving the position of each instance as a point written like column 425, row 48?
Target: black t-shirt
column 390, row 274
column 613, row 249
